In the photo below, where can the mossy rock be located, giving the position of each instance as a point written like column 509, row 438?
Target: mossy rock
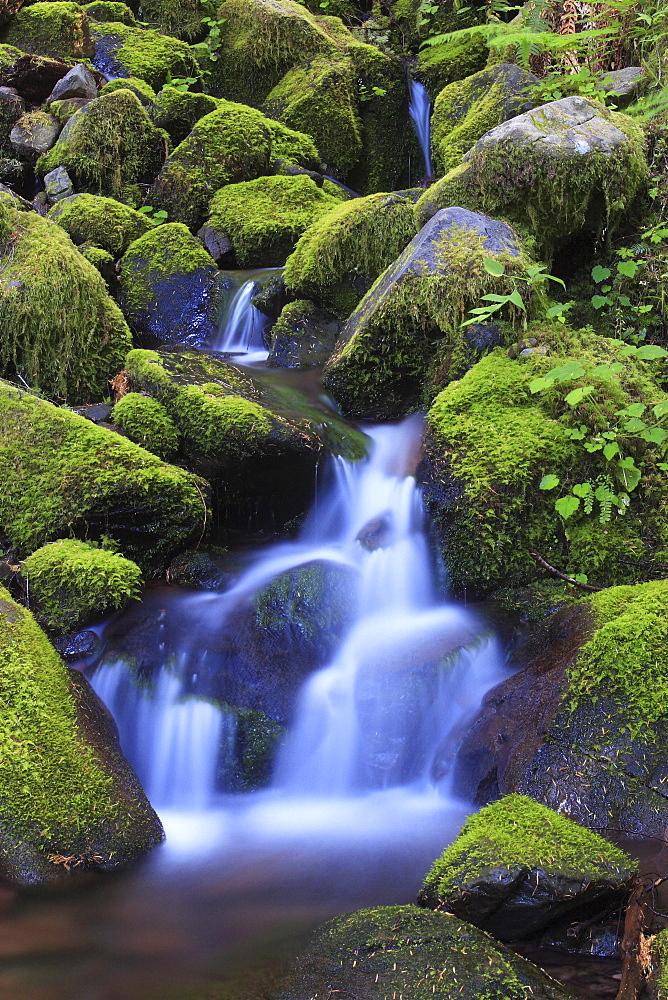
column 61, row 332
column 147, row 423
column 468, row 108
column 68, row 799
column 63, row 475
column 123, row 50
column 103, row 262
column 388, row 342
column 303, row 336
column 320, row 98
column 180, row 18
column 142, row 90
column 72, row 583
column 583, row 727
column 103, row 221
column 59, row 29
column 517, row 867
column 408, row 952
column 178, row 111
column 439, row 65
column 235, row 143
column 108, row 146
column 264, row 218
column 340, row 256
column 567, row 168
column 490, row 442
column 110, row 10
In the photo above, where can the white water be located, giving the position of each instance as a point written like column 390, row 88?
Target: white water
column 242, row 328
column 419, row 108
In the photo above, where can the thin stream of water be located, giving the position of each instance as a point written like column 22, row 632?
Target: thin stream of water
column 419, row 109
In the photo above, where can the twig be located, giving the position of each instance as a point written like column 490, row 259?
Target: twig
column 562, row 576
column 206, row 515
column 634, row 945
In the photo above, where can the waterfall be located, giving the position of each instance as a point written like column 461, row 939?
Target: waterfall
column 241, row 331
column 419, row 108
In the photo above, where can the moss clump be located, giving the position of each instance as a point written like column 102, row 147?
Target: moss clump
column 102, row 221
column 465, row 110
column 439, row 65
column 9, row 56
column 234, row 143
column 491, row 440
column 168, row 251
column 8, row 221
column 146, row 422
column 181, row 18
column 57, row 796
column 206, row 419
column 71, row 583
column 110, row 10
column 61, row 331
column 142, row 90
column 178, row 111
column 62, row 475
column 57, row 29
column 102, row 261
column 339, row 257
column 122, row 50
column 517, row 832
column 320, row 98
column 108, row 146
column 265, row 217
column 258, row 738
column 658, row 983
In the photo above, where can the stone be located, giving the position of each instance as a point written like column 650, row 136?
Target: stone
column 77, row 647
column 218, row 244
column 623, row 84
column 79, row 82
column 34, row 76
column 304, row 336
column 58, row 185
column 12, row 108
column 34, row 134
column 11, row 172
column 99, row 413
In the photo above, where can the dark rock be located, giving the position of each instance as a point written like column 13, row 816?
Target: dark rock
column 293, row 170
column 78, row 82
column 58, row 185
column 99, row 413
column 218, row 243
column 12, row 172
column 68, row 107
column 34, row 76
column 376, row 534
column 77, row 647
column 270, row 297
column 483, row 336
column 41, row 204
column 303, row 336
column 34, row 134
column 624, row 84
column 12, row 108
column 201, row 570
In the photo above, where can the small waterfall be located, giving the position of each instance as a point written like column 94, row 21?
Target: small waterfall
column 241, row 331
column 419, row 108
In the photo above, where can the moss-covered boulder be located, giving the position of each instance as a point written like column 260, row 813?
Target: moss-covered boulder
column 569, row 167
column 388, row 343
column 490, row 442
column 108, row 146
column 110, row 10
column 466, row 109
column 71, row 583
column 142, row 90
column 147, row 423
column 181, row 18
column 439, row 65
column 61, row 332
column 264, row 218
column 234, row 143
column 169, row 286
column 107, row 223
column 62, row 475
column 517, row 867
column 415, row 954
column 583, row 726
column 340, row 256
column 68, row 799
column 178, row 111
column 302, row 336
column 59, row 29
column 123, row 50
column 34, row 76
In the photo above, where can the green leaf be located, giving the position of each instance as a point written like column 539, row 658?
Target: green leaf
column 655, row 435
column 660, row 410
column 581, row 577
column 634, row 425
column 599, row 273
column 577, row 395
column 611, row 449
column 566, row 506
column 629, row 268
column 494, row 267
column 629, row 473
column 606, row 371
column 651, row 352
column 548, row 482
column 538, row 384
column 517, row 300
column 582, row 489
column 637, row 410
column 598, row 301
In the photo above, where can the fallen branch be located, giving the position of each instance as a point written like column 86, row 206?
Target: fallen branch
column 562, row 576
column 635, row 944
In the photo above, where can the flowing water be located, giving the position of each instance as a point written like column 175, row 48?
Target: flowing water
column 242, row 328
column 419, row 109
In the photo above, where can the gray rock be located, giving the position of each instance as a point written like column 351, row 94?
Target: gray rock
column 34, row 134
column 58, row 185
column 625, row 84
column 99, row 413
column 218, row 244
column 12, row 107
column 303, row 337
column 11, row 197
column 79, row 82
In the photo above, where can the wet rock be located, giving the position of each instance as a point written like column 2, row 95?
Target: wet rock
column 58, row 185
column 34, row 76
column 376, row 534
column 403, row 951
column 218, row 244
column 78, row 82
column 12, row 108
column 270, row 297
column 518, row 867
column 302, row 337
column 201, row 570
column 76, row 647
column 34, row 134
column 99, row 413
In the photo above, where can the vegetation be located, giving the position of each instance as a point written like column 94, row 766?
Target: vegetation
column 106, row 223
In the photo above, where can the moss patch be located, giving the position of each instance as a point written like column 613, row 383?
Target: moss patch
column 102, row 221
column 110, row 10
column 439, row 65
column 147, row 423
column 122, row 50
column 139, row 88
column 178, row 111
column 181, row 18
column 58, row 29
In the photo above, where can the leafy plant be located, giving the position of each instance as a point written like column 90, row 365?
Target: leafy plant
column 208, row 48
column 155, row 216
column 368, row 93
column 534, row 280
column 180, row 83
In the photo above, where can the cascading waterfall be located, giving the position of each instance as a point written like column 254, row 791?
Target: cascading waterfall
column 419, row 108
column 242, row 328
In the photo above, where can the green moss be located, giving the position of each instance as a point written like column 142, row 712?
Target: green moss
column 258, row 738
column 294, row 319
column 142, row 90
column 9, row 55
column 71, row 583
column 102, row 261
column 234, row 143
column 57, row 29
column 103, row 221
column 110, row 10
column 516, row 831
column 61, row 331
column 8, row 221
column 140, row 52
column 320, row 99
column 109, row 145
column 659, row 974
column 181, row 18
column 265, row 217
column 146, row 422
column 178, row 111
column 169, row 250
column 439, row 65
column 62, row 475
column 341, row 254
column 207, row 419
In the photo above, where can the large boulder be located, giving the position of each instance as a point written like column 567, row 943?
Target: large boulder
column 517, row 867
column 59, row 29
column 468, row 108
column 387, row 344
column 178, row 111
column 68, row 800
column 34, row 76
column 402, row 951
column 182, row 18
column 63, row 475
column 583, row 726
column 59, row 329
column 303, row 336
column 123, row 50
column 107, row 223
column 109, row 146
column 568, row 167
